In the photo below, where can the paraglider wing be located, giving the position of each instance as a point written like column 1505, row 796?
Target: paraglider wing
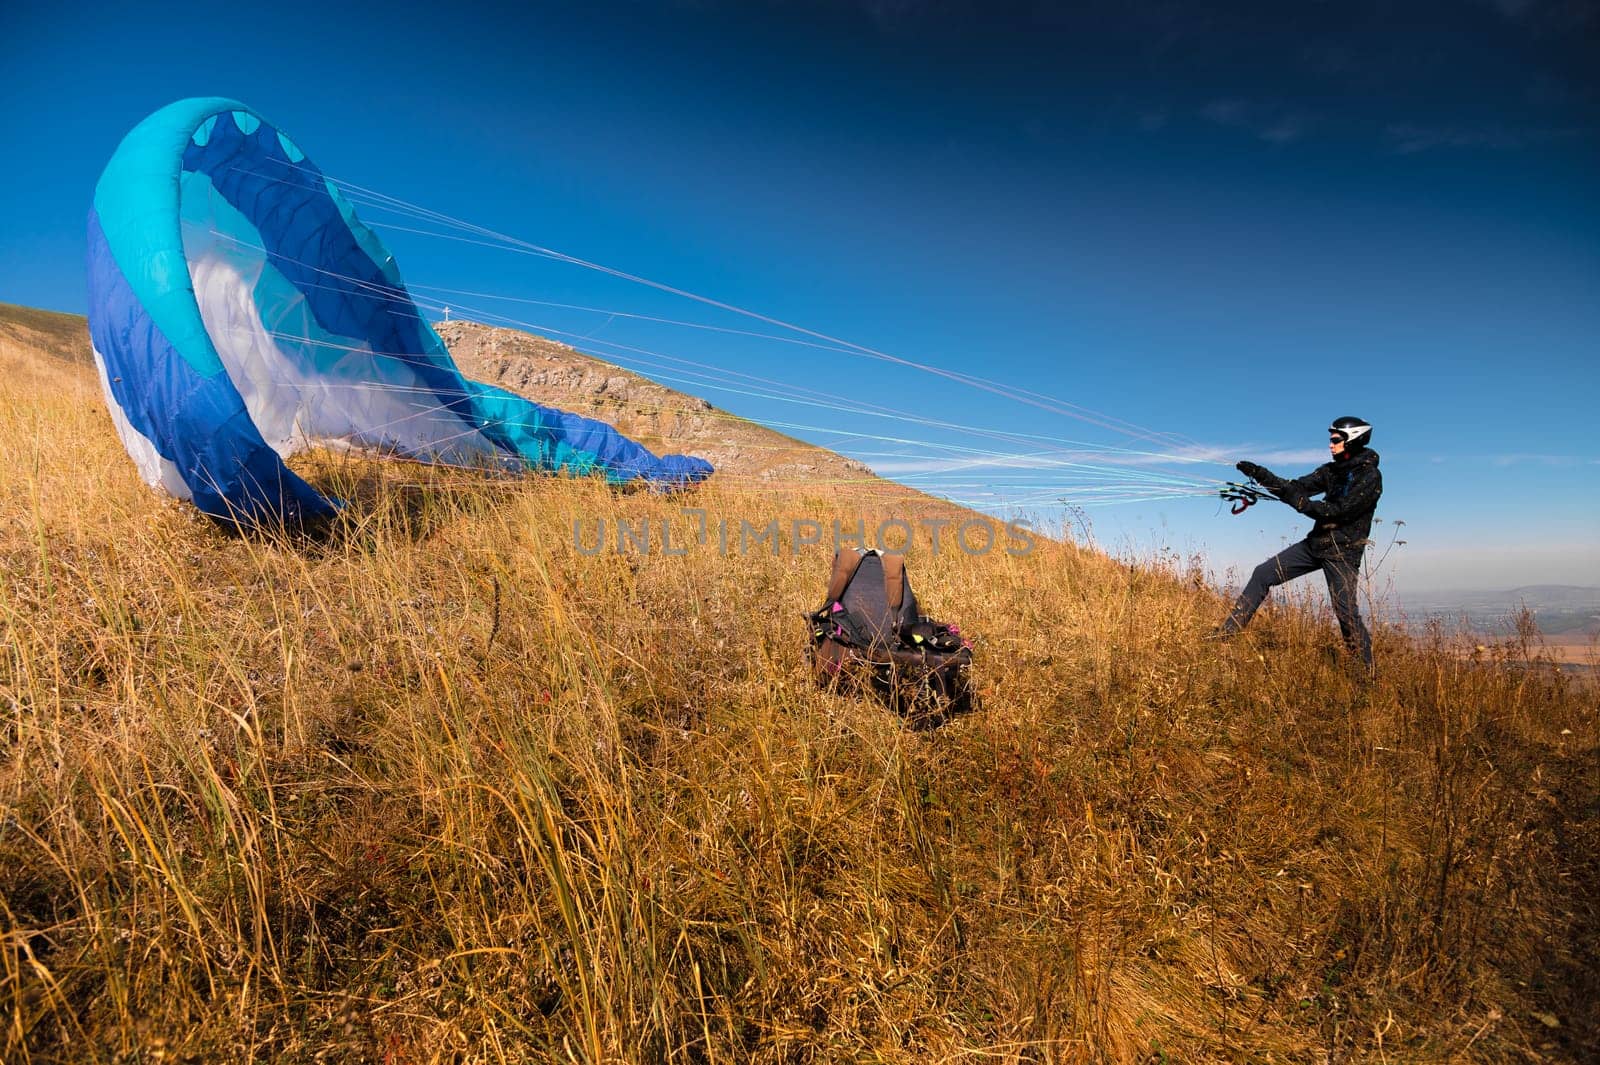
column 241, row 312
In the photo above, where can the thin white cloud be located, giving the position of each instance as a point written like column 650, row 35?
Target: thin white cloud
column 1265, row 122
column 1198, row 455
column 1511, row 9
column 1225, row 112
column 1154, row 120
column 1544, row 18
column 1525, row 458
column 1231, row 453
column 1406, row 138
column 901, row 467
column 1285, row 131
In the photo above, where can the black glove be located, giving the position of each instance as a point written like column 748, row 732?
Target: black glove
column 1254, row 472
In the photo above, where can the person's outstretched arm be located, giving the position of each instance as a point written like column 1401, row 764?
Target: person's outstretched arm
column 1295, row 492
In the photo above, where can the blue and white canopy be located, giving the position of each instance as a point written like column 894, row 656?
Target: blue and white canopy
column 240, row 312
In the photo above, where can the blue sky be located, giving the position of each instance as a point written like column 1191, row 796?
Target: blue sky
column 1226, row 227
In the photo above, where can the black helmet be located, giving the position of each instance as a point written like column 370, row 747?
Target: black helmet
column 1356, row 433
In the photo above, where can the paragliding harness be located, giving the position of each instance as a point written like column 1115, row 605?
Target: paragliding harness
column 1243, row 496
column 868, row 633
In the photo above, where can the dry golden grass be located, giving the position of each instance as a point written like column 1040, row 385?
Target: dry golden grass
column 442, row 789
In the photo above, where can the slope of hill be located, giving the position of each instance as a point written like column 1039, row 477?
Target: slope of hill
column 661, row 418
column 46, row 335
column 445, row 788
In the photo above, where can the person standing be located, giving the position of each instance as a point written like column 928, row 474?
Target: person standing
column 1350, row 486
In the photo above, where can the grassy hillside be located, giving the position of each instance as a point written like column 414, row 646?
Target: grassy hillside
column 446, row 789
column 28, row 335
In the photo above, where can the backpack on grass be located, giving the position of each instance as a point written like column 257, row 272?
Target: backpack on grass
column 868, row 634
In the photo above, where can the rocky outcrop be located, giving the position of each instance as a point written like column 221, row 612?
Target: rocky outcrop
column 659, row 417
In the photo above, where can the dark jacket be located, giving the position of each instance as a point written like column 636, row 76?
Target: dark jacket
column 1349, row 488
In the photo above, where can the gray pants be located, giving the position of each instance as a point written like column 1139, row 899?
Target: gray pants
column 1342, row 573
